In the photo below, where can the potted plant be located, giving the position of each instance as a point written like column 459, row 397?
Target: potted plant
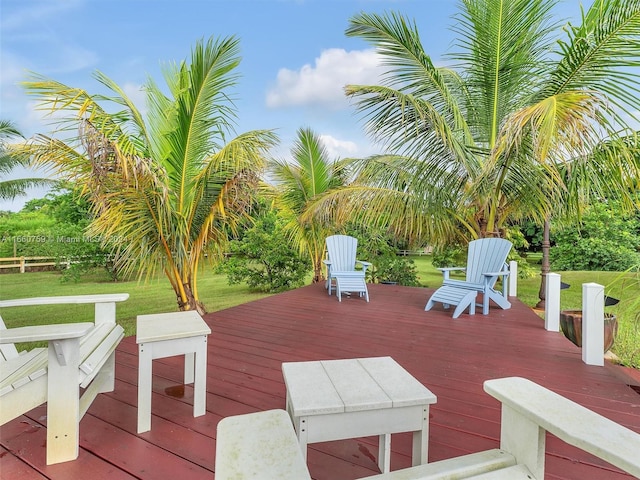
column 571, row 325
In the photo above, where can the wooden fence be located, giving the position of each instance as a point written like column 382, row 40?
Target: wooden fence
column 24, row 264
column 419, row 252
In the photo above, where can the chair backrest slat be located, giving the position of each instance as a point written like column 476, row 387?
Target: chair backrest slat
column 341, row 251
column 486, row 255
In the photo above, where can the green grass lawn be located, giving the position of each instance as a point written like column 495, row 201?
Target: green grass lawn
column 144, row 298
column 157, row 296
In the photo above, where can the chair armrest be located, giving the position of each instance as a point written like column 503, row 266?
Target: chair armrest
column 567, row 420
column 44, row 332
column 61, row 300
column 445, row 271
column 327, row 262
column 104, row 304
column 364, row 264
column 496, row 274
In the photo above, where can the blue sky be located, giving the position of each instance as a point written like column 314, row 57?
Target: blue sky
column 295, row 55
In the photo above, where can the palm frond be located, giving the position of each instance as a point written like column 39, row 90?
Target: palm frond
column 504, row 46
column 411, row 127
column 411, row 70
column 602, row 54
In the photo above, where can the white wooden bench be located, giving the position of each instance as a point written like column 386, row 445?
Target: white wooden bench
column 79, row 356
column 528, row 412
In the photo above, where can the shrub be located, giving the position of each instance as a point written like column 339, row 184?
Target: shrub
column 449, row 256
column 264, row 259
column 401, row 270
column 604, row 240
column 377, row 247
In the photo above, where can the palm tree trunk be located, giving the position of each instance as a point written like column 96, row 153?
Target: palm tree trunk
column 190, row 302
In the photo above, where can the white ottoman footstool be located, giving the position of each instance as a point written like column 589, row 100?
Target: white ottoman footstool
column 460, row 297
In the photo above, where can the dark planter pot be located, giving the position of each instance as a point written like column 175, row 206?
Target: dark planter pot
column 388, row 282
column 571, row 325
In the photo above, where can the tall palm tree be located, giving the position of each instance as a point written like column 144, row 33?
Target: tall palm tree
column 10, row 159
column 167, row 189
column 310, row 175
column 484, row 141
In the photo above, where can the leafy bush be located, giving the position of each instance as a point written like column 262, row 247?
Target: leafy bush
column 604, row 240
column 54, row 227
column 377, row 247
column 264, row 259
column 401, row 270
column 449, row 256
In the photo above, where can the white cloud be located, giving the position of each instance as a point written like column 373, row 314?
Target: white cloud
column 323, row 83
column 339, row 148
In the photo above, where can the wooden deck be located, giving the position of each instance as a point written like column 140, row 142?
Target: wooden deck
column 246, row 349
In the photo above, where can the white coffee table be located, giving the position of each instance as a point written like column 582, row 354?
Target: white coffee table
column 165, row 335
column 338, row 399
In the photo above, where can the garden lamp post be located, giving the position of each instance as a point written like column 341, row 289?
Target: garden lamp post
column 545, row 263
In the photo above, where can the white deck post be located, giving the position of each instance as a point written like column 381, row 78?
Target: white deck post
column 552, row 302
column 593, row 324
column 513, row 278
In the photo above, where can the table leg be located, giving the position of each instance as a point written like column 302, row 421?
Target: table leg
column 300, row 426
column 384, row 453
column 200, row 380
column 145, row 355
column 421, row 441
column 189, row 368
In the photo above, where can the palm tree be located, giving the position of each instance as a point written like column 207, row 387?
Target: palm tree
column 308, row 177
column 10, row 158
column 166, row 190
column 483, row 142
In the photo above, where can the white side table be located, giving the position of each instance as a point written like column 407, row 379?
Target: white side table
column 338, row 399
column 166, row 335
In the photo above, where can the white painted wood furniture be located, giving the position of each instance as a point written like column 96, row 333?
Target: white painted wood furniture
column 529, row 411
column 486, row 262
column 341, row 265
column 166, row 335
column 257, row 446
column 351, row 284
column 338, row 399
column 79, row 356
column 459, row 297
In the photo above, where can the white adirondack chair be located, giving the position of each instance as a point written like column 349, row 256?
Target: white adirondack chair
column 341, row 267
column 79, row 355
column 486, row 262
